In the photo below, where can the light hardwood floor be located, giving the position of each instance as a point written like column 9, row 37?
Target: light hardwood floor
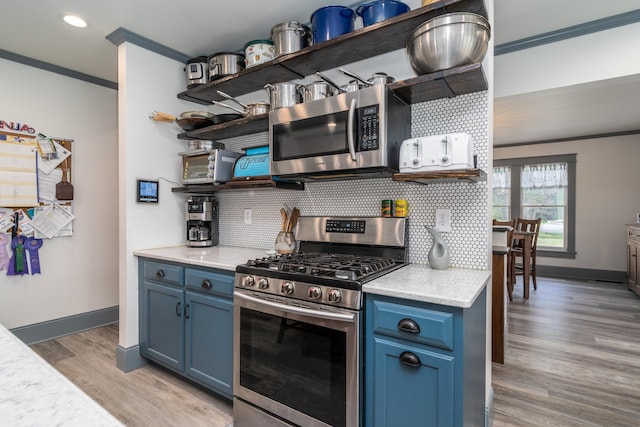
column 149, row 396
column 572, row 359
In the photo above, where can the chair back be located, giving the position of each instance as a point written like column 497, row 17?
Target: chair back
column 530, row 225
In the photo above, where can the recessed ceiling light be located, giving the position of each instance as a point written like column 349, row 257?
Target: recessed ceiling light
column 76, row 21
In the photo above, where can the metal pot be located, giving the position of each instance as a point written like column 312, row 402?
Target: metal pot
column 352, row 86
column 289, row 37
column 376, row 79
column 223, row 64
column 252, row 109
column 337, row 88
column 380, row 10
column 316, row 90
column 284, row 94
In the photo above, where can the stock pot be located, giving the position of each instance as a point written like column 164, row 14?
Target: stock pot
column 223, row 64
column 284, row 94
column 290, row 37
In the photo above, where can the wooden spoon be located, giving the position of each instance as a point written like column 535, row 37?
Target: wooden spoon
column 293, row 220
column 283, row 213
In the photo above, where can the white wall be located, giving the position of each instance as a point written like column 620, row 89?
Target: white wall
column 607, row 177
column 592, row 57
column 147, row 150
column 79, row 273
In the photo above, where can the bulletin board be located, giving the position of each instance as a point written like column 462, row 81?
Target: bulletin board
column 36, row 184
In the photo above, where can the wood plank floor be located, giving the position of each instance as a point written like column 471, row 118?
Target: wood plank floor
column 149, row 396
column 572, row 359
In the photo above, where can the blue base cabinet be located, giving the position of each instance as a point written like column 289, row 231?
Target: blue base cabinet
column 186, row 321
column 424, row 363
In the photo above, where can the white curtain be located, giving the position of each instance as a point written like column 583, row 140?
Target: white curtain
column 551, row 175
column 502, row 177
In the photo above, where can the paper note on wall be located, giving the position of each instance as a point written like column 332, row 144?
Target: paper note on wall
column 18, row 171
column 51, row 220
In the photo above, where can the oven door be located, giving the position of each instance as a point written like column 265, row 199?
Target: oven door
column 296, row 361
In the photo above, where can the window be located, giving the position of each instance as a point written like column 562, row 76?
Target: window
column 539, row 187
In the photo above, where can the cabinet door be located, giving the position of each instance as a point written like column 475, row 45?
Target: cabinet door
column 209, row 341
column 398, row 394
column 162, row 331
column 632, row 264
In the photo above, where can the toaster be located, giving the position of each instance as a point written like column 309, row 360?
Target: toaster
column 436, row 152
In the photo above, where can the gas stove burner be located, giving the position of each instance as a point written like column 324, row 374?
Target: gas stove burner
column 339, row 266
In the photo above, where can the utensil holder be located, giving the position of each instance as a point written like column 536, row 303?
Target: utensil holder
column 285, row 243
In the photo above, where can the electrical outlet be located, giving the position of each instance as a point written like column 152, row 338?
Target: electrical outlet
column 443, row 220
column 247, row 216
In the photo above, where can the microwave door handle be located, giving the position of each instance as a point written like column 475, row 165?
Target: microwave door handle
column 350, row 120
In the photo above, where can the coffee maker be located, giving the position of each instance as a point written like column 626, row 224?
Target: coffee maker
column 202, row 221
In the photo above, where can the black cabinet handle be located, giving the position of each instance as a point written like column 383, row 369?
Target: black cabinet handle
column 178, row 309
column 410, row 359
column 160, row 274
column 206, row 284
column 186, row 311
column 409, row 325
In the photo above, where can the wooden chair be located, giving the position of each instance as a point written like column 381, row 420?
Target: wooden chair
column 510, row 267
column 517, row 251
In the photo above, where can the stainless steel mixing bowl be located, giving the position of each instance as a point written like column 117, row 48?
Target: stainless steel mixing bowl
column 448, row 41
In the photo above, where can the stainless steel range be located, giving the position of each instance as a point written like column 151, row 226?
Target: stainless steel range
column 297, row 322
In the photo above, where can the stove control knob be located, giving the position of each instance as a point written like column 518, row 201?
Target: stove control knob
column 248, row 281
column 287, row 288
column 315, row 292
column 334, row 295
column 263, row 283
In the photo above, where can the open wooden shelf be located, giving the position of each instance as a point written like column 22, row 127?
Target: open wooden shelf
column 249, row 184
column 363, row 43
column 470, row 175
column 230, row 129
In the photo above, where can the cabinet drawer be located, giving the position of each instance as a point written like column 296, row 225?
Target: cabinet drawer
column 209, row 281
column 633, row 234
column 430, row 327
column 163, row 273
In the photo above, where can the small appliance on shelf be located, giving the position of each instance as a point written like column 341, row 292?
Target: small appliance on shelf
column 436, row 153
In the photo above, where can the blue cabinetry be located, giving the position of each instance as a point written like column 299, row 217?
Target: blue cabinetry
column 425, row 363
column 186, row 321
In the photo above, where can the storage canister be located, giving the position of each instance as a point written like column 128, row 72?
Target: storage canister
column 223, row 64
column 258, row 51
column 330, row 22
column 289, row 37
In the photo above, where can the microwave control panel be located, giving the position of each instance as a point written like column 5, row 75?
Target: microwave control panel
column 369, row 128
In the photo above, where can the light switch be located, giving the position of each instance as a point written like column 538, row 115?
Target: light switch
column 247, row 216
column 443, row 220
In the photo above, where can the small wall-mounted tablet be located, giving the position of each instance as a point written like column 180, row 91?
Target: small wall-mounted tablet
column 147, row 191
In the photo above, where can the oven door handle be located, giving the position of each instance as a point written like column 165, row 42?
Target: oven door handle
column 299, row 310
column 350, row 120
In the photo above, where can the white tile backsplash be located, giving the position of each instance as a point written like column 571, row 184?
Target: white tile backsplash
column 468, row 239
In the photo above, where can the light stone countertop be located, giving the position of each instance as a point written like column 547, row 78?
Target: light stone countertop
column 221, row 257
column 453, row 287
column 33, row 393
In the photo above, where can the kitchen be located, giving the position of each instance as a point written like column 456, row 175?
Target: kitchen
column 145, row 220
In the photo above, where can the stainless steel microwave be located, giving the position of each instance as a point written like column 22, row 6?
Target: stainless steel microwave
column 350, row 135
